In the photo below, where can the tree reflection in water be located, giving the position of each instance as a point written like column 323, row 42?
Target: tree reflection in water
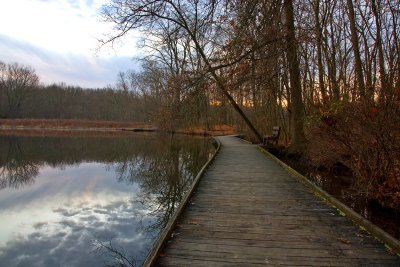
column 166, row 175
column 163, row 166
column 15, row 169
column 116, row 253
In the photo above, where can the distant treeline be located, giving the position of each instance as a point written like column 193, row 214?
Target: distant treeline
column 21, row 96
column 130, row 99
column 68, row 102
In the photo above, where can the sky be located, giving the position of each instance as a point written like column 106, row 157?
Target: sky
column 59, row 39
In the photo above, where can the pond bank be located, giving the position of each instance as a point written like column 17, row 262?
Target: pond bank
column 75, row 126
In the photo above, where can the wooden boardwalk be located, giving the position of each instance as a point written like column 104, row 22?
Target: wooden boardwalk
column 248, row 211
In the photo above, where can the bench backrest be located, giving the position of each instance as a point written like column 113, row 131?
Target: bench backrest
column 275, row 131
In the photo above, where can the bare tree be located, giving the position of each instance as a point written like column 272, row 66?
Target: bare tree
column 297, row 109
column 318, row 35
column 195, row 20
column 376, row 9
column 16, row 80
column 356, row 48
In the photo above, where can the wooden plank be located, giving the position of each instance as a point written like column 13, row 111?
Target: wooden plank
column 247, row 210
column 260, row 253
column 282, row 215
column 176, row 260
column 261, row 233
column 270, row 243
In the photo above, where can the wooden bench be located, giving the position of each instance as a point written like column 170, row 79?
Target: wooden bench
column 273, row 138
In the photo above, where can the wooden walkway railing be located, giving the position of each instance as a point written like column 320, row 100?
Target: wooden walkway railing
column 248, row 211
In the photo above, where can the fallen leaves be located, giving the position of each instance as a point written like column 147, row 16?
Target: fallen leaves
column 193, row 222
column 344, row 241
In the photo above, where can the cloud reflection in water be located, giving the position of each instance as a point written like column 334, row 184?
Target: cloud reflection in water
column 91, row 201
column 83, row 210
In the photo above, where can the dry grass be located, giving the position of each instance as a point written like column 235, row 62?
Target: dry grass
column 60, row 127
column 69, row 124
column 220, row 129
column 68, row 133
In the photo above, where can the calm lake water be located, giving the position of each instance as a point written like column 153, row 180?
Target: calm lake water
column 91, row 201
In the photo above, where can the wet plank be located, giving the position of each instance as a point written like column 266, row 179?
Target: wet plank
column 248, row 211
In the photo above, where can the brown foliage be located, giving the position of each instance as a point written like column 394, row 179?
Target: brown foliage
column 215, row 130
column 366, row 139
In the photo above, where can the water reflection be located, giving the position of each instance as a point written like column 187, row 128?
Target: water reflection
column 164, row 177
column 90, row 201
column 344, row 188
column 15, row 169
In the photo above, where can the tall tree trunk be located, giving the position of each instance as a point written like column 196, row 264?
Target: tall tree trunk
column 369, row 57
column 356, row 49
column 318, row 35
column 396, row 48
column 332, row 64
column 297, row 109
column 382, row 72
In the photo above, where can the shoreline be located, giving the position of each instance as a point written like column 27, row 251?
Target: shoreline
column 70, row 126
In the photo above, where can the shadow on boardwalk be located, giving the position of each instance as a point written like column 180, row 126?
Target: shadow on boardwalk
column 248, row 211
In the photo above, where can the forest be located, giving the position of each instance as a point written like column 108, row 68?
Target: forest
column 327, row 72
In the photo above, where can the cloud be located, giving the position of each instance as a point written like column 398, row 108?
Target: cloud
column 59, row 38
column 74, row 69
column 77, row 240
column 38, row 225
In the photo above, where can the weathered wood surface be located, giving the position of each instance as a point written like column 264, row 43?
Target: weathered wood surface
column 247, row 211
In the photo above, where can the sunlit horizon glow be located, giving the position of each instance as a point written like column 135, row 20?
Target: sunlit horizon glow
column 59, row 39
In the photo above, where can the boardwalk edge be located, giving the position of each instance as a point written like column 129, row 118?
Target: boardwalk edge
column 374, row 230
column 169, row 228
